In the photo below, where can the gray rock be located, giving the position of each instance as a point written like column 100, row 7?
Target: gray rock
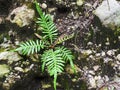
column 19, row 69
column 22, row 16
column 118, row 57
column 80, row 2
column 96, row 67
column 109, row 13
column 4, row 69
column 10, row 56
column 92, row 82
column 111, row 52
column 44, row 5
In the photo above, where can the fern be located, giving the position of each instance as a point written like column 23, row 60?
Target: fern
column 47, row 26
column 53, row 59
column 30, row 47
column 54, row 62
column 67, row 56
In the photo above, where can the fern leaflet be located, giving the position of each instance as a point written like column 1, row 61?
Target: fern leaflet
column 30, row 47
column 66, row 55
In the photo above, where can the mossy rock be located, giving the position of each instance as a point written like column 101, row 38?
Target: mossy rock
column 4, row 70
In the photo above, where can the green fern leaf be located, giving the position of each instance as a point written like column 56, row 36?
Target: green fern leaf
column 54, row 62
column 47, row 26
column 67, row 56
column 30, row 47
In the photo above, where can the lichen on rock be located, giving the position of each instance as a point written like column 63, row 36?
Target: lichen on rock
column 109, row 13
column 22, row 16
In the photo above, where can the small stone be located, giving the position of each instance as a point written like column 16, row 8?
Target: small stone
column 79, row 2
column 118, row 57
column 103, row 54
column 19, row 69
column 87, row 52
column 119, row 37
column 96, row 67
column 92, row 82
column 50, row 10
column 91, row 72
column 106, row 60
column 97, row 54
column 44, row 5
column 110, row 53
column 89, row 43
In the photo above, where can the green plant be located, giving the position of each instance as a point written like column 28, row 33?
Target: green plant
column 54, row 58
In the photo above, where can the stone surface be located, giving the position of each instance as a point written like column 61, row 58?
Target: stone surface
column 4, row 69
column 19, row 69
column 10, row 56
column 22, row 16
column 118, row 57
column 79, row 2
column 109, row 13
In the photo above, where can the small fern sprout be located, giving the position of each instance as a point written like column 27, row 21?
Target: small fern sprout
column 53, row 58
column 30, row 47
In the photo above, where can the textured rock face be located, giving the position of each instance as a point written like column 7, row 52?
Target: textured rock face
column 109, row 13
column 10, row 57
column 22, row 16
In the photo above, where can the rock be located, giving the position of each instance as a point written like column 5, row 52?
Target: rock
column 10, row 56
column 111, row 53
column 4, row 69
column 79, row 2
column 19, row 69
column 96, row 67
column 86, row 52
column 92, row 82
column 22, row 16
column 103, row 54
column 109, row 13
column 91, row 72
column 118, row 57
column 44, row 6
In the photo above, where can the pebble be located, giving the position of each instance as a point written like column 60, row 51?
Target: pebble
column 110, row 53
column 19, row 69
column 89, row 43
column 91, row 72
column 118, row 57
column 92, row 82
column 44, row 5
column 103, row 54
column 79, row 2
column 96, row 67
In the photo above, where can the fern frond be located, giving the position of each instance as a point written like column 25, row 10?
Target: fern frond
column 48, row 28
column 54, row 62
column 63, row 38
column 30, row 47
column 66, row 55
